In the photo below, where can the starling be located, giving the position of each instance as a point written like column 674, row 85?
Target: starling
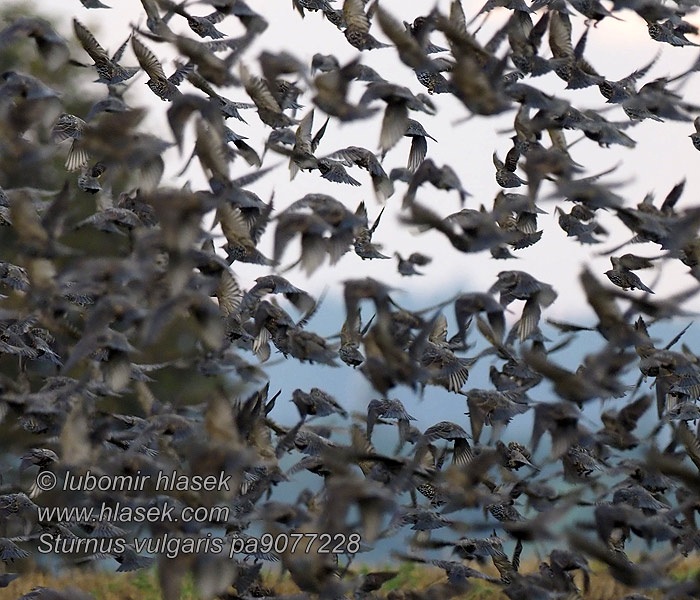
column 568, row 62
column 387, row 409
column 93, row 283
column 269, row 109
column 203, row 26
column 580, row 464
column 623, row 277
column 312, row 5
column 71, row 127
column 10, row 552
column 363, row 245
column 88, row 180
column 695, row 137
column 408, row 265
column 419, row 144
column 163, row 87
column 51, row 46
column 357, row 26
column 593, row 10
column 505, row 172
column 316, row 403
column 442, row 178
column 108, row 69
column 367, row 160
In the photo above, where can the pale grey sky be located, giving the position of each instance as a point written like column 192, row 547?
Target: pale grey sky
column 663, row 156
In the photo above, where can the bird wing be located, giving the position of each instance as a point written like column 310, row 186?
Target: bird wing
column 88, row 42
column 560, row 36
column 147, row 60
column 259, row 92
column 355, row 17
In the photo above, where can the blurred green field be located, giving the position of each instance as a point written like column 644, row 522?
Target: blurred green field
column 143, row 585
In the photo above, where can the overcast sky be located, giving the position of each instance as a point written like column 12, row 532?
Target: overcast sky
column 663, row 156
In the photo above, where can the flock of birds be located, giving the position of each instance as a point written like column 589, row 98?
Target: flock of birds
column 117, row 269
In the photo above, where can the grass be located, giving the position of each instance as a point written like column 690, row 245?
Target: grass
column 143, row 585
